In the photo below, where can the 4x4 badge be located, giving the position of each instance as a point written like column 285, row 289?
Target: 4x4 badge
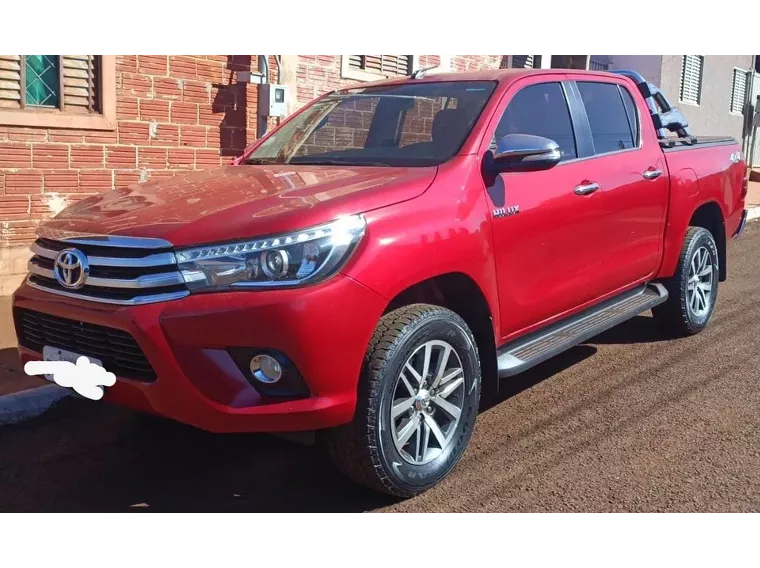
column 506, row 211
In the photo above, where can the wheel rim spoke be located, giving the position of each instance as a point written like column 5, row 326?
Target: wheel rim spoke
column 440, row 381
column 425, row 439
column 400, row 407
column 442, row 362
column 406, row 431
column 408, row 385
column 414, row 373
column 426, row 364
column 450, row 387
column 447, row 407
column 436, row 430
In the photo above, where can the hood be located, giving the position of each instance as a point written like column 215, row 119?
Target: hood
column 236, row 202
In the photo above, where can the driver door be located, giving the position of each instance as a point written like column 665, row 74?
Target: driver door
column 549, row 253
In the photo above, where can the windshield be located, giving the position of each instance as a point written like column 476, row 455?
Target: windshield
column 420, row 124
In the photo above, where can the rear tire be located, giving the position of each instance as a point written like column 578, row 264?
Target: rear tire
column 693, row 289
column 409, row 429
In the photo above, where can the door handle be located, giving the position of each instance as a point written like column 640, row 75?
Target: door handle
column 586, row 188
column 651, row 174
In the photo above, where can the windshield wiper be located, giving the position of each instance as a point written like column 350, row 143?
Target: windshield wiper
column 264, row 161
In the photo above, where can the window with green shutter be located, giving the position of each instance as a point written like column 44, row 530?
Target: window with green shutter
column 68, row 83
column 58, row 91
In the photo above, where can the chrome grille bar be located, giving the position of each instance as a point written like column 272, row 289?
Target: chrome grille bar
column 157, row 259
column 145, row 281
column 122, row 270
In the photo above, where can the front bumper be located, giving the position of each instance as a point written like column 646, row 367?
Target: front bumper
column 324, row 330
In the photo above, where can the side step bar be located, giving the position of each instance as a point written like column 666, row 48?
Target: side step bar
column 526, row 352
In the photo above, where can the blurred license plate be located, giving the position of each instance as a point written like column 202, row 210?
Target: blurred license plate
column 57, row 354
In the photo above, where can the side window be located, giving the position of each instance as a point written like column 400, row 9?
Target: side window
column 540, row 110
column 630, row 110
column 607, row 117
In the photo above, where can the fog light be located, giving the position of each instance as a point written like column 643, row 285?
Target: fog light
column 266, row 369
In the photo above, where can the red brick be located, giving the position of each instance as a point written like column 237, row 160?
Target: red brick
column 15, row 207
column 126, row 108
column 66, row 136
column 29, row 181
column 165, row 174
column 121, row 157
column 50, row 156
column 234, row 141
column 27, row 134
column 95, row 180
column 124, row 178
column 213, row 138
column 196, row 92
column 2, row 182
column 15, row 156
column 133, row 133
column 166, row 135
column 105, row 137
column 226, row 95
column 157, row 110
column 61, row 180
column 181, row 158
column 211, row 72
column 39, row 205
column 135, row 85
column 17, row 232
column 151, row 157
column 184, row 113
column 241, row 62
column 87, row 156
column 206, row 158
column 211, row 115
column 152, row 64
column 183, row 67
column 192, row 136
column 167, row 88
column 126, row 63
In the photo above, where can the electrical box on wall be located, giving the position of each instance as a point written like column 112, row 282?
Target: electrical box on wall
column 272, row 99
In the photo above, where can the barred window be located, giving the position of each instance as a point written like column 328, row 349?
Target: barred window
column 374, row 67
column 738, row 91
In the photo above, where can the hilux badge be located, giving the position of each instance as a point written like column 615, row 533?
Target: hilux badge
column 506, row 211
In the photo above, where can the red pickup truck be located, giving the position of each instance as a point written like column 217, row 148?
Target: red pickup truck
column 390, row 250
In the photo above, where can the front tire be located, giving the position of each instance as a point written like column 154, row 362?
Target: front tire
column 693, row 289
column 417, row 402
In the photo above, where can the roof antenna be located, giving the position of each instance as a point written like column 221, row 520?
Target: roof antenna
column 420, row 73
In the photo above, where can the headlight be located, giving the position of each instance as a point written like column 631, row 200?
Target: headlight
column 279, row 261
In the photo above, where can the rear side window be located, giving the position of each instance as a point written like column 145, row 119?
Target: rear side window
column 607, row 116
column 540, row 110
column 633, row 117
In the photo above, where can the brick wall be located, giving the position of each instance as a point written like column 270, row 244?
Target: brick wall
column 173, row 114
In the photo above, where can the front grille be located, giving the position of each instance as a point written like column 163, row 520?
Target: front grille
column 122, row 270
column 117, row 349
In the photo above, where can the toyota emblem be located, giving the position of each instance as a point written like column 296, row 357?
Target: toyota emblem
column 71, row 268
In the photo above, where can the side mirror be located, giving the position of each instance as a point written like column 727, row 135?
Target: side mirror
column 524, row 152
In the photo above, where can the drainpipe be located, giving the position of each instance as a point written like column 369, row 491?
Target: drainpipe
column 262, row 120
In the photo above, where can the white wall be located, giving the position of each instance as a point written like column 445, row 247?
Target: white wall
column 650, row 66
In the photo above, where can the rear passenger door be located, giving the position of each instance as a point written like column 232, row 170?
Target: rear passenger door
column 633, row 182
